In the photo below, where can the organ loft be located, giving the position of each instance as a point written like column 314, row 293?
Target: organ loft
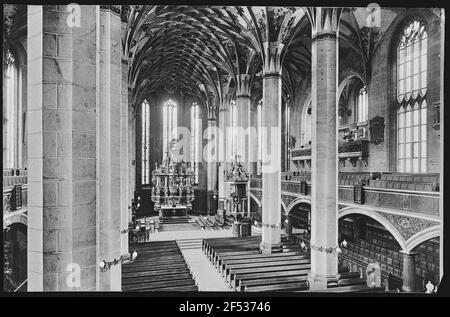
column 223, row 148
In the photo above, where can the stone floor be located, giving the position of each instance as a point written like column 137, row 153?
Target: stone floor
column 206, row 276
column 189, row 241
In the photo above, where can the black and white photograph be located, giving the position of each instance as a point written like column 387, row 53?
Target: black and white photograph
column 200, row 150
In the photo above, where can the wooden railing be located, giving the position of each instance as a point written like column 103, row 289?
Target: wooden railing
column 360, row 188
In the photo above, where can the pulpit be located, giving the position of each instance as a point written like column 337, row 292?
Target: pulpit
column 172, row 190
column 237, row 179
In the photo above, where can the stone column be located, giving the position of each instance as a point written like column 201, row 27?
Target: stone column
column 324, row 224
column 271, row 150
column 243, row 106
column 224, row 119
column 409, row 271
column 61, row 150
column 253, row 161
column 288, row 226
column 125, row 198
column 109, row 147
column 131, row 153
column 212, row 162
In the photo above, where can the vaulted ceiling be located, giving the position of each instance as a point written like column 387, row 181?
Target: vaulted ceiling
column 201, row 50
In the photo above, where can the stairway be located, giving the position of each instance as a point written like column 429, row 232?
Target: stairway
column 174, row 220
column 188, row 244
column 206, row 277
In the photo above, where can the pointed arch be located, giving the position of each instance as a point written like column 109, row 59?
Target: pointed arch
column 422, row 236
column 375, row 216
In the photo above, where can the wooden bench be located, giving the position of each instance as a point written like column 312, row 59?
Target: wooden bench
column 286, row 287
column 231, row 273
column 261, row 258
column 241, row 284
column 349, row 289
column 157, row 285
column 255, row 264
column 242, row 277
column 158, row 278
column 160, row 266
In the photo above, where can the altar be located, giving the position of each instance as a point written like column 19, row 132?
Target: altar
column 169, row 211
column 172, row 190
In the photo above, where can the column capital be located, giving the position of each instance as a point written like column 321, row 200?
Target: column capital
column 323, row 21
column 272, row 60
column 212, row 112
column 243, row 85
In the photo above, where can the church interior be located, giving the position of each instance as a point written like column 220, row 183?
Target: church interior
column 160, row 148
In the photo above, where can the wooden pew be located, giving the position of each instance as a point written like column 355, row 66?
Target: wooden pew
column 349, row 289
column 261, row 259
column 274, row 263
column 243, row 284
column 231, row 274
column 157, row 285
column 160, row 266
column 283, row 287
column 240, row 278
column 157, row 278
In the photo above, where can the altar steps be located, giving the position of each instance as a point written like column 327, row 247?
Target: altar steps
column 174, row 220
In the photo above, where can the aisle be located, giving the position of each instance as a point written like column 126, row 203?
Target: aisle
column 206, row 276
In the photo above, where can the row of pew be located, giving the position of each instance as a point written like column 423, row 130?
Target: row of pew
column 159, row 267
column 245, row 269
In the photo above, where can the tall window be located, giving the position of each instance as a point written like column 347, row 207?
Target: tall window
column 287, row 136
column 306, row 125
column 259, row 123
column 411, row 94
column 234, row 125
column 196, row 128
column 10, row 114
column 362, row 104
column 145, row 111
column 170, row 124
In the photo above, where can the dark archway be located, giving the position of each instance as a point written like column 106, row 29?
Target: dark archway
column 300, row 216
column 427, row 263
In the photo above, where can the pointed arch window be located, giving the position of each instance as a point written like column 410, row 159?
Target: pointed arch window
column 145, row 113
column 234, row 125
column 362, row 104
column 411, row 96
column 196, row 128
column 11, row 114
column 306, row 127
column 259, row 128
column 170, row 123
column 287, row 126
